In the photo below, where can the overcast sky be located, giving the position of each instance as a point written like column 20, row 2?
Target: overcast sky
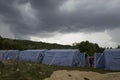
column 62, row 21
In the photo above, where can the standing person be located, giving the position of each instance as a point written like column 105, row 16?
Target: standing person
column 91, row 60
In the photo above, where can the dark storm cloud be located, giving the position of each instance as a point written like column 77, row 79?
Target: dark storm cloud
column 44, row 17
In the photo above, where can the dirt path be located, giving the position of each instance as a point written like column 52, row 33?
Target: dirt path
column 82, row 75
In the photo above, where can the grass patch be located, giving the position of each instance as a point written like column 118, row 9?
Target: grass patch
column 34, row 71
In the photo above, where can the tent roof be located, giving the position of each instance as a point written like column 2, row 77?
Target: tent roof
column 63, row 50
column 8, row 50
column 64, row 57
column 35, row 50
column 112, row 50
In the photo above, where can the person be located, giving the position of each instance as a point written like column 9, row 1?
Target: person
column 91, row 59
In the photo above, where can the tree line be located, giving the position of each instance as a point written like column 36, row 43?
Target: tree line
column 84, row 46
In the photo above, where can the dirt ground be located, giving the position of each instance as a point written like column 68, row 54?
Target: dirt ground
column 82, row 75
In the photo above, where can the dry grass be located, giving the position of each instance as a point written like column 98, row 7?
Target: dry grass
column 12, row 70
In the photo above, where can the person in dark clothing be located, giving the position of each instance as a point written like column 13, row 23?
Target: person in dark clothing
column 91, row 60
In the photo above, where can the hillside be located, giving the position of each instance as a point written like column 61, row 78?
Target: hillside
column 7, row 44
column 84, row 46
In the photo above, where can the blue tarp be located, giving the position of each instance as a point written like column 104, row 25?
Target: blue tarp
column 109, row 59
column 9, row 54
column 64, row 57
column 99, row 60
column 112, row 59
column 32, row 55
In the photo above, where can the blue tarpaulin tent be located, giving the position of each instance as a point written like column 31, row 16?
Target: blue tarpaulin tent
column 99, row 60
column 32, row 55
column 64, row 57
column 112, row 59
column 9, row 54
column 109, row 59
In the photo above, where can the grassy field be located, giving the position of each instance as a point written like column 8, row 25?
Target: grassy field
column 12, row 70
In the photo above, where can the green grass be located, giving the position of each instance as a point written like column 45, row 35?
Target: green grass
column 34, row 71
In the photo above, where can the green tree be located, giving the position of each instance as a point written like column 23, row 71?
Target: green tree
column 118, row 47
column 89, row 48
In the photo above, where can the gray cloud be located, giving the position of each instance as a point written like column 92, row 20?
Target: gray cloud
column 45, row 17
column 115, row 35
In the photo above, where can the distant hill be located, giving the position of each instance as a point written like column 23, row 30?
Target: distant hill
column 6, row 44
column 84, row 46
